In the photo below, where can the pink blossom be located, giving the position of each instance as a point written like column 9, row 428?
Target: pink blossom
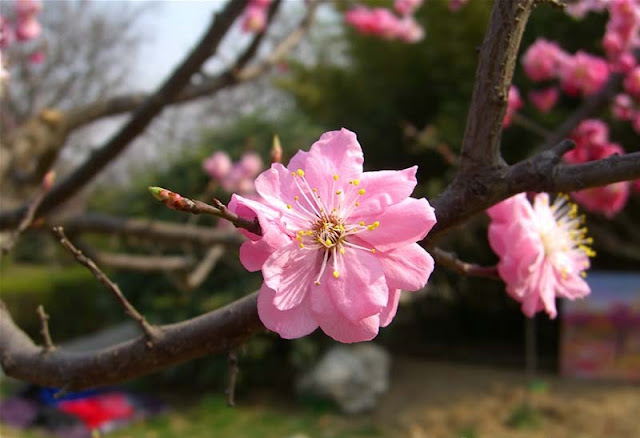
column 28, row 7
column 622, row 107
column 542, row 60
column 543, row 251
column 632, row 83
column 608, row 200
column 217, row 165
column 28, row 28
column 254, row 18
column 544, row 99
column 337, row 243
column 37, row 57
column 636, row 186
column 381, row 22
column 251, row 164
column 583, row 74
column 579, row 8
column 514, row 103
column 589, row 135
column 406, row 7
column 636, row 122
column 409, row 30
column 625, row 63
column 6, row 32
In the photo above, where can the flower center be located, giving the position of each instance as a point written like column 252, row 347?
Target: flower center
column 329, row 224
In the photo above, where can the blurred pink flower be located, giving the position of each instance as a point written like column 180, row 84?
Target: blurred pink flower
column 622, row 107
column 544, row 99
column 456, row 5
column 255, row 16
column 217, row 165
column 6, row 32
column 28, row 7
column 589, row 135
column 542, row 60
column 583, row 74
column 337, row 243
column 406, row 7
column 514, row 103
column 632, row 83
column 383, row 23
column 543, row 251
column 251, row 164
column 28, row 28
column 37, row 57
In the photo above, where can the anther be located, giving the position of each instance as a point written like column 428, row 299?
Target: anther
column 336, row 274
column 336, row 177
column 300, row 172
column 361, row 192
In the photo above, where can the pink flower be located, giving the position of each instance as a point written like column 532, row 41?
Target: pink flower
column 217, row 165
column 37, row 57
column 338, row 244
column 514, row 103
column 251, row 164
column 545, row 99
column 6, row 32
column 610, row 199
column 254, row 18
column 579, row 8
column 406, row 7
column 632, row 83
column 543, row 251
column 381, row 22
column 542, row 60
column 590, row 135
column 28, row 28
column 28, row 7
column 622, row 107
column 583, row 74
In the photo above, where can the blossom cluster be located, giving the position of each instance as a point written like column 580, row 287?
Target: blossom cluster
column 24, row 27
column 254, row 18
column 234, row 177
column 514, row 103
column 592, row 143
column 384, row 23
column 337, row 244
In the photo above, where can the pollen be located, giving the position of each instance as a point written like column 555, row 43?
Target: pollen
column 336, row 274
column 361, row 192
column 357, row 204
column 295, row 198
column 373, row 250
column 373, row 226
column 341, row 250
column 299, row 238
column 302, row 245
column 361, row 223
column 336, row 177
column 356, row 182
column 338, row 192
column 300, row 172
column 327, row 242
column 289, row 206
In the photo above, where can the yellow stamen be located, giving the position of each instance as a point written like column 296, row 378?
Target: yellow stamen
column 289, row 206
column 361, row 192
column 356, row 182
column 300, row 172
column 338, row 192
column 336, row 177
column 361, row 223
column 302, row 245
column 374, row 225
column 336, row 274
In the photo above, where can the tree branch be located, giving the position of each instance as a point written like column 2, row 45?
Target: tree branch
column 44, row 330
column 141, row 118
column 496, row 61
column 210, row 333
column 452, row 262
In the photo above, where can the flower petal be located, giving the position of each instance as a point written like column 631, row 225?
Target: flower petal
column 389, row 312
column 383, row 188
column 511, row 208
column 334, row 323
column 290, row 271
column 335, row 153
column 289, row 324
column 254, row 253
column 361, row 289
column 401, row 224
column 407, row 268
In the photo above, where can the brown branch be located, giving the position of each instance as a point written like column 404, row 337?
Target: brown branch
column 496, row 61
column 531, row 126
column 152, row 230
column 44, row 330
column 210, row 333
column 141, row 118
column 141, row 263
column 452, row 262
column 151, row 332
column 200, row 272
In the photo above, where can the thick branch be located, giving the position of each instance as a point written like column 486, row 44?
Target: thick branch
column 141, row 118
column 496, row 61
column 210, row 333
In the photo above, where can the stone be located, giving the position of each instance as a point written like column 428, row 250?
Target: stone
column 352, row 376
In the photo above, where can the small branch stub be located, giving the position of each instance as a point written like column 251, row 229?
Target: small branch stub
column 233, row 377
column 151, row 333
column 44, row 330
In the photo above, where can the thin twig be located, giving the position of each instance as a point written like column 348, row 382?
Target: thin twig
column 150, row 331
column 531, row 125
column 29, row 216
column 451, row 261
column 44, row 330
column 233, row 377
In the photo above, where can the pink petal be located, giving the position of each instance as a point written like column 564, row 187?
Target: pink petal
column 511, row 208
column 401, row 224
column 547, row 289
column 336, row 325
column 389, row 312
column 360, row 290
column 384, row 188
column 253, row 254
column 407, row 268
column 249, row 209
column 335, row 153
column 291, row 271
column 289, row 324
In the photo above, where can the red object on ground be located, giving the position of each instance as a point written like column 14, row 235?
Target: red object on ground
column 100, row 409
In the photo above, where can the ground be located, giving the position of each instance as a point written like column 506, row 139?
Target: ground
column 427, row 400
